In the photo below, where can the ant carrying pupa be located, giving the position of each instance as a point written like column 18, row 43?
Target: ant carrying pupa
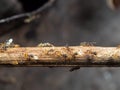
column 8, row 44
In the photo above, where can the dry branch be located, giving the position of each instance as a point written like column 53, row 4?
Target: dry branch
column 73, row 56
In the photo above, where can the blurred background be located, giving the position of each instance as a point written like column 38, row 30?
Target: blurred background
column 66, row 22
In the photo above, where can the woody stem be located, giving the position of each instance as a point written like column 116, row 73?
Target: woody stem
column 83, row 56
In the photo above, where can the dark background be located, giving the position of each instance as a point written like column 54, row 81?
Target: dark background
column 67, row 22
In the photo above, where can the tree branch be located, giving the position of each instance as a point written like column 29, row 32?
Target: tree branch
column 73, row 56
column 11, row 23
column 29, row 14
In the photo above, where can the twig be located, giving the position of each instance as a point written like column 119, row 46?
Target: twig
column 74, row 56
column 28, row 15
column 12, row 23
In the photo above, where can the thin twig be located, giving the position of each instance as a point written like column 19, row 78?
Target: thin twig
column 12, row 23
column 28, row 15
column 74, row 56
